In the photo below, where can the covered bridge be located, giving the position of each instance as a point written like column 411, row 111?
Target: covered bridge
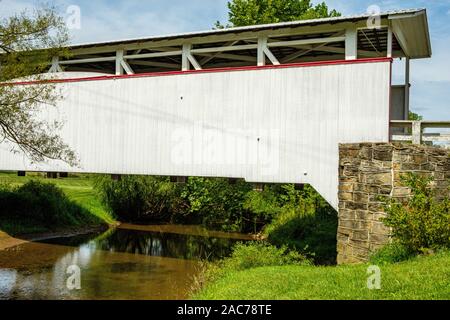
column 267, row 103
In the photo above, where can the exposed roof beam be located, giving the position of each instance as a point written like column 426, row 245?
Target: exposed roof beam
column 89, row 60
column 121, row 63
column 324, row 48
column 305, row 41
column 271, row 57
column 351, row 43
column 223, row 49
column 264, row 51
column 370, row 41
column 390, row 41
column 165, row 49
column 227, row 56
column 194, row 62
column 377, row 39
column 93, row 70
column 155, row 64
column 56, row 67
column 296, row 55
column 248, row 35
column 188, row 59
column 154, row 55
column 126, row 67
column 207, row 59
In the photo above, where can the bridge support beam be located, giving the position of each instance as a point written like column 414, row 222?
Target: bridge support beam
column 116, row 177
column 52, row 175
column 63, row 174
column 370, row 172
column 258, row 187
column 180, row 180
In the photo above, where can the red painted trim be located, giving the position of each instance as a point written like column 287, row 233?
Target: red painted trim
column 228, row 69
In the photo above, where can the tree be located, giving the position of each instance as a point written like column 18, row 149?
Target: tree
column 253, row 12
column 28, row 41
column 414, row 116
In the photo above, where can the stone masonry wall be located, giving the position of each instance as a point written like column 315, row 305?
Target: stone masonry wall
column 370, row 170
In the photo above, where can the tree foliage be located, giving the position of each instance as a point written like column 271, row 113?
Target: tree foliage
column 28, row 41
column 253, row 12
column 218, row 204
column 414, row 116
column 139, row 198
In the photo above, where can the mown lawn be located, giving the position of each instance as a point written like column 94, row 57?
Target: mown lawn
column 417, row 279
column 79, row 189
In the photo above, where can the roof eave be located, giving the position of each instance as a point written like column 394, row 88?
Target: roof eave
column 422, row 15
column 218, row 32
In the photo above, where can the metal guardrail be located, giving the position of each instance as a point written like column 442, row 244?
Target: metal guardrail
column 416, row 129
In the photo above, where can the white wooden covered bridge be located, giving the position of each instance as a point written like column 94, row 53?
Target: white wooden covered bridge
column 266, row 103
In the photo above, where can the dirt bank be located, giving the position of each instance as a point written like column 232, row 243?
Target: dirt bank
column 8, row 241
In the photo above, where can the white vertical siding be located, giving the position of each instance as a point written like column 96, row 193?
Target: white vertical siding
column 161, row 125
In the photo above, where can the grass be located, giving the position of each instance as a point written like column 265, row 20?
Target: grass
column 421, row 278
column 78, row 189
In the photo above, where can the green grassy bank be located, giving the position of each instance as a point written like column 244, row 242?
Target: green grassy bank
column 78, row 189
column 424, row 277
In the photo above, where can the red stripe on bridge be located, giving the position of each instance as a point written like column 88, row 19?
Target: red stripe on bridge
column 228, row 69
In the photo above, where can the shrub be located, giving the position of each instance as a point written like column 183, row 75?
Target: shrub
column 254, row 255
column 261, row 254
column 138, row 198
column 43, row 204
column 213, row 202
column 423, row 221
column 312, row 234
column 306, row 223
column 266, row 204
column 391, row 253
column 246, row 256
column 216, row 203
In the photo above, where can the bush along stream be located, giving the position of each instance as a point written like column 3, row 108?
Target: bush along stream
column 38, row 207
column 298, row 219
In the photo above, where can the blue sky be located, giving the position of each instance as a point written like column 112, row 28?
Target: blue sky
column 103, row 20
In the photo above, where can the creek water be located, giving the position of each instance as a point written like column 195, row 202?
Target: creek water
column 128, row 262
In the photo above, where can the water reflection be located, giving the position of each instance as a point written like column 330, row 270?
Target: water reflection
column 152, row 243
column 119, row 264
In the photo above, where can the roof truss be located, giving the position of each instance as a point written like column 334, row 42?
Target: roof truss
column 276, row 47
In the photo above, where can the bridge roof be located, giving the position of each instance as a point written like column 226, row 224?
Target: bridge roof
column 393, row 34
column 406, row 18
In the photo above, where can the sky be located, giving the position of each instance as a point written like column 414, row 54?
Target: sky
column 103, row 20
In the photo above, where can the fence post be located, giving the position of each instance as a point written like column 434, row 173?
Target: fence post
column 417, row 132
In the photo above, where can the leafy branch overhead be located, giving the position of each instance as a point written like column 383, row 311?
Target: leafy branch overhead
column 253, row 12
column 28, row 41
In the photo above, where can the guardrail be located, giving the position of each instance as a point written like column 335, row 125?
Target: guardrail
column 416, row 133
